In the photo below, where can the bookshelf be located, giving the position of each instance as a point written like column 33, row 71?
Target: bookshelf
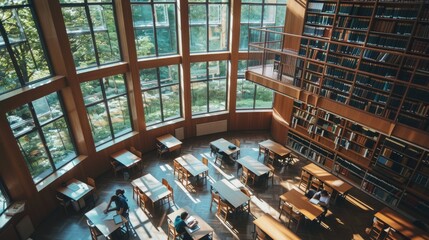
column 371, row 55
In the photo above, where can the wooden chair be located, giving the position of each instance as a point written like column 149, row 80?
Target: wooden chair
column 291, row 215
column 161, row 149
column 213, row 150
column 223, row 208
column 167, row 185
column 270, row 174
column 262, row 151
column 64, row 202
column 205, row 161
column 144, row 201
column 95, row 233
column 245, row 175
column 214, row 199
column 305, row 179
column 260, row 235
column 116, row 167
column 138, row 154
column 91, row 182
column 237, row 143
column 316, row 184
column 172, row 233
column 376, row 230
column 393, row 235
column 271, row 157
column 136, row 193
column 246, row 206
column 219, row 157
column 177, row 168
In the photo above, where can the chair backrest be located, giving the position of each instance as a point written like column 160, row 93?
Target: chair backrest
column 287, row 208
column 245, row 171
column 91, row 182
column 328, row 189
column 60, row 199
column 205, row 161
column 271, row 167
column 237, row 142
column 260, row 235
column 305, row 175
column 176, row 165
column 165, row 182
column 245, row 191
column 215, row 197
column 223, row 205
column 171, row 229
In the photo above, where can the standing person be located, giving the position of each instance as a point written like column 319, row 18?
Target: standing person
column 180, row 225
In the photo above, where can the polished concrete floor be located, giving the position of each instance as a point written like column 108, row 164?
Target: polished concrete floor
column 347, row 219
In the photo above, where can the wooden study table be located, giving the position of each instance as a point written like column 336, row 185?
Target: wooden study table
column 231, row 193
column 223, row 146
column 205, row 228
column 170, row 142
column 104, row 221
column 401, row 224
column 327, row 178
column 194, row 166
column 126, row 158
column 253, row 165
column 75, row 190
column 300, row 202
column 281, row 151
column 153, row 188
column 274, row 228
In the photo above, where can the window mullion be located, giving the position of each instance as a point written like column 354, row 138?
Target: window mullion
column 91, row 30
column 207, row 27
column 160, row 95
column 103, row 92
column 154, row 28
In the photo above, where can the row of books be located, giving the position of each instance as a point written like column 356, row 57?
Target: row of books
column 363, row 130
column 314, row 44
column 382, row 57
column 374, row 83
column 379, row 193
column 320, row 19
column 337, row 85
column 355, row 9
column 377, row 69
column 314, row 67
column 321, row 7
column 330, row 117
column 312, row 77
column 343, row 61
column 421, row 180
column 352, row 23
column 333, row 95
column 349, row 50
column 382, row 184
column 420, row 47
column 357, row 103
column 370, row 95
column 392, row 27
column 420, row 109
column 314, row 54
column 397, row 12
column 311, row 88
column 317, row 31
column 387, row 42
column 362, row 140
column 348, row 36
column 336, row 72
column 422, row 31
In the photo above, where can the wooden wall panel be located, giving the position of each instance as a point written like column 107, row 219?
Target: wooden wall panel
column 251, row 121
column 295, row 15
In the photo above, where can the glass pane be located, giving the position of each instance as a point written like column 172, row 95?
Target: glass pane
column 9, row 80
column 218, row 27
column 169, row 75
column 148, row 78
column 198, row 27
column 171, row 102
column 217, row 69
column 12, row 2
column 161, row 15
column 199, row 97
column 59, row 142
column 114, row 86
column 152, row 106
column 35, row 156
column 166, row 33
column 120, row 115
column 26, row 45
column 91, row 92
column 264, row 97
column 99, row 122
column 47, row 108
column 217, row 95
column 245, row 94
column 198, row 71
column 104, row 27
column 144, row 32
column 20, row 120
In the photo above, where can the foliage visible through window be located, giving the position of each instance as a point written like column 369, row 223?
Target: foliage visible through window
column 250, row 95
column 208, row 25
column 155, row 27
column 43, row 136
column 23, row 58
column 208, row 86
column 91, row 28
column 107, row 108
column 260, row 13
column 161, row 94
column 4, row 198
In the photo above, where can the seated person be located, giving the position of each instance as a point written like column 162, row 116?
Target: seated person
column 323, row 197
column 120, row 203
column 180, row 225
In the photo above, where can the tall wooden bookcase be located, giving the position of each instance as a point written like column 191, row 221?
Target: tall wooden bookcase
column 374, row 56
